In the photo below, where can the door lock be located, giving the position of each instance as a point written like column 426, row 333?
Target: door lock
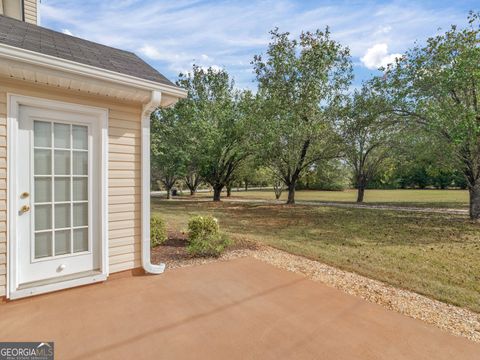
column 24, row 195
column 25, row 208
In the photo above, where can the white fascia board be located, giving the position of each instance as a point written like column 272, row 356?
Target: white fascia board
column 35, row 58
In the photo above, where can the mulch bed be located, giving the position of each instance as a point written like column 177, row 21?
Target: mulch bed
column 174, row 250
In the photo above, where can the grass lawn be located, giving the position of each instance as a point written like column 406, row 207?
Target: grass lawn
column 433, row 254
column 417, row 198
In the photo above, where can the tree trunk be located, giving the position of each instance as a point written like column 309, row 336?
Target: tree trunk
column 246, row 185
column 360, row 194
column 277, row 189
column 217, row 190
column 361, row 185
column 229, row 190
column 291, row 193
column 474, row 202
column 278, row 194
column 169, row 192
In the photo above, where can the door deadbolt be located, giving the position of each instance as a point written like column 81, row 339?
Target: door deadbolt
column 25, row 208
column 25, row 194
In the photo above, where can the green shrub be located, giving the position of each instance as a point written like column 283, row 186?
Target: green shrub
column 158, row 231
column 205, row 238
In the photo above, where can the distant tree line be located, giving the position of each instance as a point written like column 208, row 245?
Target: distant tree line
column 415, row 126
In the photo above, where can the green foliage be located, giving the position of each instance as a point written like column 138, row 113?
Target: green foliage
column 205, row 238
column 437, row 87
column 301, row 86
column 158, row 231
column 169, row 153
column 368, row 134
column 217, row 118
column 202, row 226
column 333, row 175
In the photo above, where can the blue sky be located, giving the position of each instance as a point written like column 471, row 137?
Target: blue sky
column 172, row 35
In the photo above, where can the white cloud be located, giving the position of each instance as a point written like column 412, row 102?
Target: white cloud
column 383, row 30
column 214, row 67
column 377, row 56
column 66, row 31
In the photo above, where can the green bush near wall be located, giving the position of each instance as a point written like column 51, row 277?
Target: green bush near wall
column 158, row 231
column 205, row 238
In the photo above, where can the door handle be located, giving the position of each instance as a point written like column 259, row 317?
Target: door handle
column 25, row 208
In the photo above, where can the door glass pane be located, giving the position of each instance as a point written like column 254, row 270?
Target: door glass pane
column 80, row 214
column 62, row 162
column 62, row 242
column 43, row 217
column 80, row 189
column 62, row 189
column 62, row 136
column 42, row 134
column 70, row 159
column 43, row 189
column 62, row 216
column 43, row 245
column 43, row 162
column 80, row 240
column 80, row 137
column 80, row 163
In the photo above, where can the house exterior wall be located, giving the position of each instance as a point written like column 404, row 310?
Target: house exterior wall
column 13, row 8
column 30, row 11
column 124, row 172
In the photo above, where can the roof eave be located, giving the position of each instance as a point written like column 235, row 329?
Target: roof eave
column 35, row 58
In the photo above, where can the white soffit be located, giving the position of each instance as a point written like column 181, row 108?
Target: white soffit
column 42, row 69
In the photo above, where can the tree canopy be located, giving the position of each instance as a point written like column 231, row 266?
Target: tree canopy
column 437, row 86
column 302, row 82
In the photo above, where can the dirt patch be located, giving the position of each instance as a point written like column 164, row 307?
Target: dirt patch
column 173, row 252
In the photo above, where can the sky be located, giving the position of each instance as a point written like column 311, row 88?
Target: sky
column 173, row 35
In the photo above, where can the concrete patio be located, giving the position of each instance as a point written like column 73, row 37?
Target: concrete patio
column 239, row 309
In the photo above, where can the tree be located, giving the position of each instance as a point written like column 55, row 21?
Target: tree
column 277, row 188
column 368, row 135
column 219, row 117
column 332, row 175
column 421, row 158
column 168, row 155
column 437, row 86
column 192, row 179
column 301, row 85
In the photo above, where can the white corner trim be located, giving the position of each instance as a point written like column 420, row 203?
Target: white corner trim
column 38, row 13
column 148, row 108
column 13, row 105
column 52, row 62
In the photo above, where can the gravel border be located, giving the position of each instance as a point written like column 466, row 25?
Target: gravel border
column 456, row 320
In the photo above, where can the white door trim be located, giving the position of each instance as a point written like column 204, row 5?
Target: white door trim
column 13, row 104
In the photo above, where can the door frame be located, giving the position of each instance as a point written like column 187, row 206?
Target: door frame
column 13, row 105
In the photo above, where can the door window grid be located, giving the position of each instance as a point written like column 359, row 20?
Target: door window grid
column 63, row 227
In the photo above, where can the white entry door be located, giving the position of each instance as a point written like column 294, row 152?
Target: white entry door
column 58, row 195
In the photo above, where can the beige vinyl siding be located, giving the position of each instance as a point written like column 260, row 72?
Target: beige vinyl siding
column 30, row 11
column 124, row 172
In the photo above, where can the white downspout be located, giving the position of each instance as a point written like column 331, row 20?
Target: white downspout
column 148, row 108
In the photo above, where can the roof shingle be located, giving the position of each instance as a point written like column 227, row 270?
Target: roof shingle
column 45, row 41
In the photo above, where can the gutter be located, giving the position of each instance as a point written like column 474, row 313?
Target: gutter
column 154, row 103
column 72, row 67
